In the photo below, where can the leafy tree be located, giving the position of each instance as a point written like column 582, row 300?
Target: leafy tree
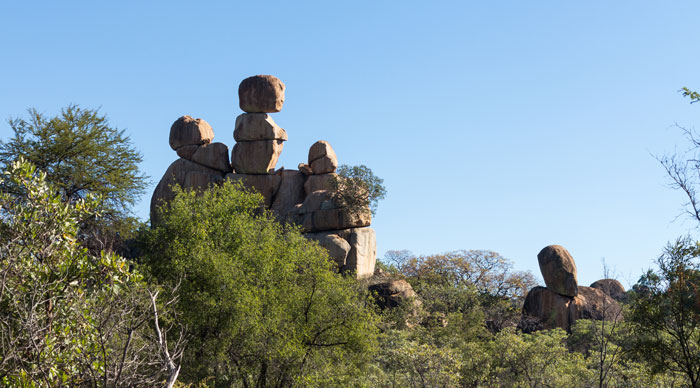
column 68, row 318
column 693, row 95
column 666, row 312
column 357, row 188
column 81, row 154
column 263, row 304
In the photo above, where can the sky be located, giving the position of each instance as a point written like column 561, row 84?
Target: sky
column 496, row 125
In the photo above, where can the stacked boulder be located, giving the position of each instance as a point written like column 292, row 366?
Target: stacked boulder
column 201, row 162
column 563, row 301
column 303, row 196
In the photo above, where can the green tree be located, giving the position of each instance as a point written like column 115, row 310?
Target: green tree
column 264, row 305
column 68, row 318
column 81, row 154
column 665, row 309
column 357, row 188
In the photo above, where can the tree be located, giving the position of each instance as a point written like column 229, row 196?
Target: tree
column 81, row 154
column 693, row 95
column 68, row 318
column 264, row 305
column 666, row 312
column 357, row 188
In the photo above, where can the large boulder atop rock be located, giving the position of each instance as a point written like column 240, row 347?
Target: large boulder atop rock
column 322, row 158
column 257, row 126
column 213, row 155
column 558, row 270
column 267, row 184
column 261, row 94
column 362, row 257
column 390, row 293
column 189, row 131
column 611, row 287
column 320, row 182
column 290, row 193
column 186, row 174
column 336, row 246
column 256, row 157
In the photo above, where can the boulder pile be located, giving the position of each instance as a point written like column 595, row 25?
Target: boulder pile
column 563, row 301
column 303, row 196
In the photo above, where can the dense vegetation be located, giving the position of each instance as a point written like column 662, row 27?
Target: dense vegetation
column 219, row 294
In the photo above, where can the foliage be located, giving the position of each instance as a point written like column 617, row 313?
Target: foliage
column 67, row 318
column 693, row 95
column 666, row 312
column 357, row 188
column 466, row 282
column 264, row 305
column 81, row 154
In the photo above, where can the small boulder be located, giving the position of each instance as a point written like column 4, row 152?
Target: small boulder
column 545, row 309
column 320, row 149
column 267, row 184
column 558, row 270
column 214, row 155
column 305, row 169
column 188, row 131
column 256, row 157
column 611, row 287
column 261, row 94
column 390, row 293
column 257, row 126
column 337, row 247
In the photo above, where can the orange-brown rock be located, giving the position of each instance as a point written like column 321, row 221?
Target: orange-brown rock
column 611, row 287
column 189, row 131
column 362, row 257
column 290, row 193
column 558, row 270
column 389, row 293
column 261, row 94
column 336, row 246
column 322, row 158
column 319, row 182
column 257, row 126
column 256, row 157
column 318, row 212
column 213, row 155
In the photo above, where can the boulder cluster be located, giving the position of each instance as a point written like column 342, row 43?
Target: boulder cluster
column 563, row 301
column 303, row 196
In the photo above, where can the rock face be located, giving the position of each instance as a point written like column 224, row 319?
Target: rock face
column 256, row 157
column 261, row 94
column 592, row 303
column 558, row 270
column 611, row 287
column 188, row 131
column 303, row 197
column 548, row 308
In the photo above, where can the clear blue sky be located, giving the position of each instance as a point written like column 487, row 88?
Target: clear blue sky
column 499, row 125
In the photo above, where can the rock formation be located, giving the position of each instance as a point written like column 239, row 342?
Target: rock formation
column 303, row 196
column 611, row 287
column 563, row 301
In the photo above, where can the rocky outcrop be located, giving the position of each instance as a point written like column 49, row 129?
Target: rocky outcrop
column 563, row 301
column 303, row 197
column 558, row 270
column 390, row 293
column 611, row 287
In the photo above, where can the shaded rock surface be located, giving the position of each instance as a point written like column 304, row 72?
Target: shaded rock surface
column 319, row 182
column 362, row 257
column 261, row 94
column 336, row 246
column 189, row 131
column 256, row 157
column 558, row 270
column 267, row 185
column 318, row 212
column 290, row 193
column 213, row 155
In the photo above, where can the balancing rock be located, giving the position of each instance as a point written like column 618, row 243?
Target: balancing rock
column 257, row 126
column 261, row 94
column 187, row 131
column 322, row 158
column 611, row 287
column 256, row 157
column 558, row 270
